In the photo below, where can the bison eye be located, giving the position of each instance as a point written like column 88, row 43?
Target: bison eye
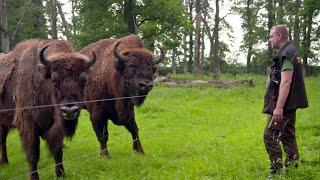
column 54, row 79
column 83, row 79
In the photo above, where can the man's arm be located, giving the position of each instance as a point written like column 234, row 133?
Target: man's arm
column 286, row 78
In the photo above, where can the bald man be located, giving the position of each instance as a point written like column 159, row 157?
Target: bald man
column 284, row 95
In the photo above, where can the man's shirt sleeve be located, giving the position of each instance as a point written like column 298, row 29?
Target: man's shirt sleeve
column 287, row 65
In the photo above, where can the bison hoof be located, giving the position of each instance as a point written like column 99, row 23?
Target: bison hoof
column 105, row 153
column 4, row 161
column 34, row 176
column 60, row 172
column 138, row 148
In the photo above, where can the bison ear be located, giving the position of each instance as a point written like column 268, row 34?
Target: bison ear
column 44, row 71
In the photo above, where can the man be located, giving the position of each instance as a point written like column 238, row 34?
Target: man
column 285, row 93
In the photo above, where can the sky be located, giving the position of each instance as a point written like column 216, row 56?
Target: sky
column 233, row 19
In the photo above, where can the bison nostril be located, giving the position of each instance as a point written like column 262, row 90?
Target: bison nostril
column 142, row 85
column 70, row 109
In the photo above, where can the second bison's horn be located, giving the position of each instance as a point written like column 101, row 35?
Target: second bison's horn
column 43, row 60
column 119, row 56
column 92, row 60
column 161, row 57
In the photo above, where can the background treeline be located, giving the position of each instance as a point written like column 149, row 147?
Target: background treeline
column 180, row 26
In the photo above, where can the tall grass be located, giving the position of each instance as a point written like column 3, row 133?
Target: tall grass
column 187, row 133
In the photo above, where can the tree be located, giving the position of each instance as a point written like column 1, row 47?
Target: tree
column 296, row 31
column 252, row 31
column 129, row 16
column 4, row 27
column 271, row 17
column 66, row 25
column 216, row 63
column 54, row 29
column 197, row 39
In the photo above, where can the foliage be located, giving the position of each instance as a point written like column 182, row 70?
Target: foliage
column 157, row 21
column 33, row 18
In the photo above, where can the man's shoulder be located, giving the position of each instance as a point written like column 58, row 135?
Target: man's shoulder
column 289, row 51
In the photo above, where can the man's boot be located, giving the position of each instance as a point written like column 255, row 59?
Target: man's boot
column 276, row 168
column 292, row 161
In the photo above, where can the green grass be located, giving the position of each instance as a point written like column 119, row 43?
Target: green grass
column 187, row 133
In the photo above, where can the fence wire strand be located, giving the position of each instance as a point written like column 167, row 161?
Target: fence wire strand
column 59, row 104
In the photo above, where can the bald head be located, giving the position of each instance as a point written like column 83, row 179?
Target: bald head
column 281, row 30
column 278, row 36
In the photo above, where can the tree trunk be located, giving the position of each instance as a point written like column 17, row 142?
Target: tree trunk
column 185, row 54
column 250, row 33
column 307, row 41
column 74, row 4
column 190, row 62
column 4, row 27
column 130, row 16
column 249, row 55
column 173, row 64
column 184, row 45
column 280, row 12
column 216, row 59
column 270, row 24
column 64, row 22
column 54, row 30
column 197, row 40
column 202, row 58
column 296, row 31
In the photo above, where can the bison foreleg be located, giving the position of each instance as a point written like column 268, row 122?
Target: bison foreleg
column 100, row 126
column 132, row 127
column 31, row 145
column 55, row 146
column 3, row 147
column 59, row 166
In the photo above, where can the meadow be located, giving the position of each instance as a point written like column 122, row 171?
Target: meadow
column 187, row 133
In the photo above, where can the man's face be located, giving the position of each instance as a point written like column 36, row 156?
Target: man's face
column 274, row 39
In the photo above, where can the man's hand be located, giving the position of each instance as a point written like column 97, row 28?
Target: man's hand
column 277, row 115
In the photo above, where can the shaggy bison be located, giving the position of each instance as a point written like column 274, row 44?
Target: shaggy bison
column 8, row 64
column 8, row 73
column 49, row 72
column 124, row 68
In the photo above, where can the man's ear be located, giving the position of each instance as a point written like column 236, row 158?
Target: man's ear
column 44, row 71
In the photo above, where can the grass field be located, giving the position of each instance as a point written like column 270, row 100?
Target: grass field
column 187, row 133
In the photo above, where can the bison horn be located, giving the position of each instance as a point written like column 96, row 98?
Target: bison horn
column 119, row 56
column 43, row 59
column 92, row 60
column 161, row 57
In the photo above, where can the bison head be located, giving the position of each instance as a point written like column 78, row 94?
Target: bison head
column 68, row 74
column 136, row 68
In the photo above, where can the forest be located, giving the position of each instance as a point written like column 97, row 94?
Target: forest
column 198, row 35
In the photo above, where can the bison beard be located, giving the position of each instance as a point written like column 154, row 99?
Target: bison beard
column 124, row 69
column 48, row 75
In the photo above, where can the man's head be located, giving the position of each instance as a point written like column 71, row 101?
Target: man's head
column 278, row 36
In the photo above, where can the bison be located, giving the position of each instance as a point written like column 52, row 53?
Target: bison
column 8, row 64
column 8, row 73
column 124, row 68
column 50, row 74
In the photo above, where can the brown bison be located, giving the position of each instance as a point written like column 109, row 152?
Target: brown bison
column 50, row 73
column 124, row 68
column 8, row 64
column 8, row 73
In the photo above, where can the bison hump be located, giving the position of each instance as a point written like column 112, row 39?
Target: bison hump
column 7, row 66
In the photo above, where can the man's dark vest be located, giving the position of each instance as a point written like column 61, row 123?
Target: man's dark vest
column 297, row 97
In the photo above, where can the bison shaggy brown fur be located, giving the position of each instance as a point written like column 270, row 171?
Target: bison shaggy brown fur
column 49, row 72
column 8, row 72
column 124, row 68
